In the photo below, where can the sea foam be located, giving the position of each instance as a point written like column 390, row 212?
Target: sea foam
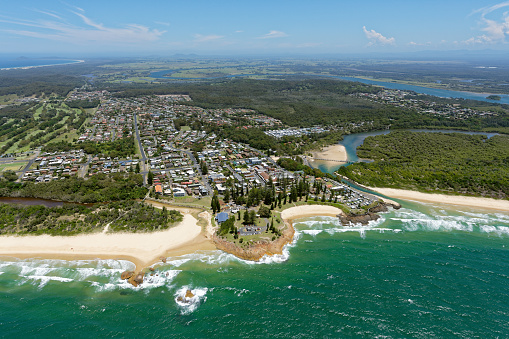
column 190, row 304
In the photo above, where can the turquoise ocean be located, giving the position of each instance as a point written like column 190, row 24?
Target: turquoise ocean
column 423, row 271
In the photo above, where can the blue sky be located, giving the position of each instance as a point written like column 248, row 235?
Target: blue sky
column 278, row 27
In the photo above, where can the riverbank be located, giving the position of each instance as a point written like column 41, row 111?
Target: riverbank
column 485, row 203
column 259, row 249
column 143, row 249
column 330, row 156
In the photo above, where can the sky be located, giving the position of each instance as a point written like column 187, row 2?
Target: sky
column 259, row 27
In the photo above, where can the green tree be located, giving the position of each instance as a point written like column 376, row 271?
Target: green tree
column 10, row 175
column 150, row 178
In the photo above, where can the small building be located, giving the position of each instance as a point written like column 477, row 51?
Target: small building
column 179, row 192
column 222, row 217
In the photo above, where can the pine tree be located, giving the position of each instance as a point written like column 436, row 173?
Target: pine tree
column 150, row 177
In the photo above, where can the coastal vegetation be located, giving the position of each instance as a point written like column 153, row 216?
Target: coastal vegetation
column 72, row 219
column 435, row 162
column 98, row 188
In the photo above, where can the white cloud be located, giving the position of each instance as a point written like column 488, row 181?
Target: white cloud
column 206, row 38
column 163, row 23
column 413, row 43
column 52, row 14
column 496, row 31
column 377, row 38
column 89, row 32
column 479, row 40
column 273, row 34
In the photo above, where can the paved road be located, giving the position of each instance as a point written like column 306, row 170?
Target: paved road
column 83, row 170
column 30, row 162
column 143, row 168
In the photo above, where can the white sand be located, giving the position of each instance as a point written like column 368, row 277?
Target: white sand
column 333, row 152
column 142, row 248
column 310, row 211
column 330, row 153
column 484, row 203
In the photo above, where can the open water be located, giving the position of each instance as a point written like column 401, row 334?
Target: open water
column 10, row 62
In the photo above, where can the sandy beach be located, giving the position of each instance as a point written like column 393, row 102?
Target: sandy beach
column 330, row 156
column 310, row 211
column 485, row 203
column 143, row 249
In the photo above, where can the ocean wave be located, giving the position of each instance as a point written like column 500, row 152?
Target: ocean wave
column 45, row 279
column 188, row 305
column 237, row 291
column 498, row 230
column 317, row 221
column 411, row 220
column 150, row 281
column 312, row 232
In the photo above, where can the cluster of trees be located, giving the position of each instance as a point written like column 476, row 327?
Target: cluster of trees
column 447, row 162
column 249, row 217
column 73, row 219
column 38, row 82
column 214, row 204
column 267, row 195
column 83, row 103
column 121, row 148
column 203, row 167
column 98, row 188
column 10, row 175
column 228, row 226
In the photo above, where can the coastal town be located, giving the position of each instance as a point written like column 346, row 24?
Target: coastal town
column 184, row 161
column 166, row 152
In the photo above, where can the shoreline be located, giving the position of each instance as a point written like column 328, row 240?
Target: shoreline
column 258, row 250
column 29, row 67
column 146, row 249
column 331, row 156
column 474, row 202
column 143, row 249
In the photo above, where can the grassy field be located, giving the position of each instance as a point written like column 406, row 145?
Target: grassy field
column 13, row 167
column 23, row 145
column 7, row 99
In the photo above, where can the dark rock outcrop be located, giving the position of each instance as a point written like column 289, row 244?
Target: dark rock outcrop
column 137, row 279
column 126, row 275
column 349, row 219
column 364, row 219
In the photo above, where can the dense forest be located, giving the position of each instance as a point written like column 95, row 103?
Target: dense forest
column 98, row 188
column 73, row 219
column 444, row 162
column 305, row 103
